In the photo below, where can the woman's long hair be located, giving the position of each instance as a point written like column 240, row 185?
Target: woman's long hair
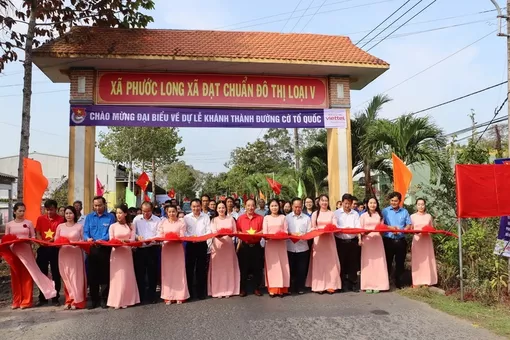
column 319, row 209
column 125, row 210
column 215, row 212
column 377, row 208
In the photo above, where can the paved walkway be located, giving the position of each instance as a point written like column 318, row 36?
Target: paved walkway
column 310, row 316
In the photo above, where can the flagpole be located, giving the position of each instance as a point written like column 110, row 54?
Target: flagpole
column 461, row 266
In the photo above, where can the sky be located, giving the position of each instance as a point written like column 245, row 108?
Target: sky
column 429, row 68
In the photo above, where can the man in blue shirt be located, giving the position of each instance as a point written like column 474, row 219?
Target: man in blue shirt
column 96, row 228
column 395, row 244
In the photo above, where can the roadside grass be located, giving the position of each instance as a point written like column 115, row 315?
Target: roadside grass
column 493, row 318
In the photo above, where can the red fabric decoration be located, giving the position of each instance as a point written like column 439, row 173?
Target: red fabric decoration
column 115, row 242
column 62, row 241
column 143, row 181
column 330, row 228
column 146, row 198
column 275, row 186
column 428, row 228
column 381, row 227
column 172, row 237
column 482, row 183
column 99, row 187
column 9, row 237
column 225, row 232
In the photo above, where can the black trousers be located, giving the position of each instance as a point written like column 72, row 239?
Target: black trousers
column 298, row 263
column 146, row 262
column 99, row 272
column 196, row 268
column 395, row 249
column 251, row 261
column 349, row 254
column 49, row 256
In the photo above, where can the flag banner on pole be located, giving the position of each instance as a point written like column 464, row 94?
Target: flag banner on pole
column 35, row 185
column 143, row 181
column 99, row 187
column 275, row 186
column 477, row 184
column 130, row 198
column 402, row 177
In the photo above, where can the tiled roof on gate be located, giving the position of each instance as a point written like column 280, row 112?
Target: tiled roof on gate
column 277, row 47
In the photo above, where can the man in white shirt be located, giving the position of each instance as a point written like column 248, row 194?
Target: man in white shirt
column 197, row 223
column 146, row 259
column 348, row 245
column 299, row 252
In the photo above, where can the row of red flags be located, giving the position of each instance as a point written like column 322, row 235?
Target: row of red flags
column 250, row 238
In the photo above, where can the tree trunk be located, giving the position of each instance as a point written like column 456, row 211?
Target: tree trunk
column 24, row 144
column 368, row 180
column 153, row 181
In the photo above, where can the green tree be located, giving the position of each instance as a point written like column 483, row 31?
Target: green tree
column 46, row 19
column 314, row 160
column 60, row 192
column 213, row 184
column 267, row 155
column 182, row 178
column 155, row 147
column 414, row 140
column 364, row 160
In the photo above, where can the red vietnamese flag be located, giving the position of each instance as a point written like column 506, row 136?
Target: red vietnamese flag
column 171, row 193
column 34, row 186
column 245, row 198
column 275, row 186
column 99, row 187
column 146, row 198
column 143, row 181
column 482, row 183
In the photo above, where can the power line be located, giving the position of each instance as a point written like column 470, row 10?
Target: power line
column 394, row 21
column 291, row 14
column 322, row 12
column 314, row 14
column 387, row 18
column 434, row 20
column 470, row 128
column 459, row 98
column 399, row 27
column 433, row 65
column 277, row 15
column 43, row 92
column 302, row 15
column 496, row 113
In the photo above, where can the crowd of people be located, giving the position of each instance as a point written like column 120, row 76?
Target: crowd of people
column 222, row 266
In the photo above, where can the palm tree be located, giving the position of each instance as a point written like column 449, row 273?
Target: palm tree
column 315, row 163
column 414, row 140
column 364, row 160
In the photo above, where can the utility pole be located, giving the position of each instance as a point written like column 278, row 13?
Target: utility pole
column 507, row 36
column 296, row 147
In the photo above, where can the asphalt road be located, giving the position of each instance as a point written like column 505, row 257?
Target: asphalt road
column 310, row 316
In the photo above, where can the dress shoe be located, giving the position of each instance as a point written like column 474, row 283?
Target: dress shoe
column 242, row 293
column 55, row 302
column 202, row 297
column 103, row 304
column 257, row 292
column 93, row 305
column 41, row 303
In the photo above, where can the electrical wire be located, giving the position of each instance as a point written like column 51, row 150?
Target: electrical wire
column 459, row 98
column 302, row 15
column 314, row 14
column 394, row 21
column 399, row 27
column 431, row 66
column 382, row 22
column 496, row 113
column 291, row 14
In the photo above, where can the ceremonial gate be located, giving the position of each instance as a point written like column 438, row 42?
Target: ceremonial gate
column 178, row 78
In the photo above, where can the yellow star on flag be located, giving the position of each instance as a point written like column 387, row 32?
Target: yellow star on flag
column 49, row 234
column 251, row 231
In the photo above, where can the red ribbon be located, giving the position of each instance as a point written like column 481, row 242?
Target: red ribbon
column 249, row 238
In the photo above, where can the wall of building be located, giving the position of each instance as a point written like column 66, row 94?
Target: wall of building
column 56, row 167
